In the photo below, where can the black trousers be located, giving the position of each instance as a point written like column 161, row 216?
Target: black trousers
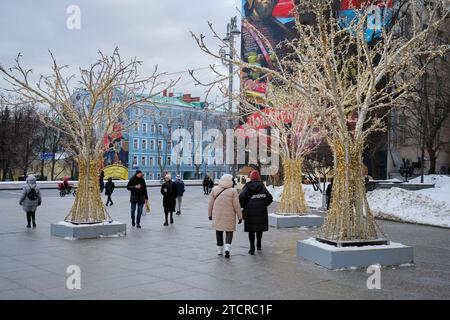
column 228, row 237
column 109, row 200
column 166, row 213
column 251, row 237
column 31, row 216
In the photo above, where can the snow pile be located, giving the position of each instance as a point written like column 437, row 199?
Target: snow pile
column 412, row 206
column 440, row 181
column 313, row 198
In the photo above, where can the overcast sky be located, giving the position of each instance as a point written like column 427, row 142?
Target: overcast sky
column 155, row 31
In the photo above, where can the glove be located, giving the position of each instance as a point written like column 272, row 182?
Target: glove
column 210, row 218
column 20, row 203
column 240, row 221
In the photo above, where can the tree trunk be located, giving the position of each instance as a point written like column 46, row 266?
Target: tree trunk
column 293, row 199
column 88, row 207
column 433, row 158
column 349, row 217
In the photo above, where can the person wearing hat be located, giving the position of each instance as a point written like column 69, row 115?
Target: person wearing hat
column 223, row 209
column 138, row 197
column 169, row 192
column 30, row 199
column 179, row 184
column 254, row 199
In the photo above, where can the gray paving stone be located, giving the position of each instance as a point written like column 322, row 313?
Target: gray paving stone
column 180, row 262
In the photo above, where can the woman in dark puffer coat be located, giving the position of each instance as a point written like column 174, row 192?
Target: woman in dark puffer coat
column 255, row 199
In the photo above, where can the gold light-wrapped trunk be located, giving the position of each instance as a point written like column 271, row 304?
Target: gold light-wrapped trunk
column 293, row 199
column 88, row 207
column 349, row 217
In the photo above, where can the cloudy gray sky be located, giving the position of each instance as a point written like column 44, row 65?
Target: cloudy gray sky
column 155, row 31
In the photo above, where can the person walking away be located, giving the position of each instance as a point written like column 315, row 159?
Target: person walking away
column 328, row 193
column 179, row 184
column 109, row 189
column 254, row 199
column 224, row 210
column 30, row 199
column 101, row 181
column 169, row 192
column 210, row 184
column 205, row 184
column 138, row 197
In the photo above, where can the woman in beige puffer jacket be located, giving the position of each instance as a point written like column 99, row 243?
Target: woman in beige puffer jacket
column 223, row 210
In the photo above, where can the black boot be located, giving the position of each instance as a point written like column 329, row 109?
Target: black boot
column 171, row 217
column 133, row 224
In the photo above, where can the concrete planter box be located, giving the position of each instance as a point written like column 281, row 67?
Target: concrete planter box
column 281, row 221
column 88, row 231
column 332, row 257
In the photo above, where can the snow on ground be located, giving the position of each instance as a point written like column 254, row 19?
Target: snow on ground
column 313, row 198
column 428, row 206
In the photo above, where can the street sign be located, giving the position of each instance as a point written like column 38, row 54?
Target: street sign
column 47, row 156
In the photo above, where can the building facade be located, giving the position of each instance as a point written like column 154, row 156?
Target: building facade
column 150, row 137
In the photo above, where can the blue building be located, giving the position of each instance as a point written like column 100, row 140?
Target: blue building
column 150, row 136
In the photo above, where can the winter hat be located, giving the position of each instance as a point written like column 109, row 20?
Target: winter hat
column 254, row 176
column 178, row 176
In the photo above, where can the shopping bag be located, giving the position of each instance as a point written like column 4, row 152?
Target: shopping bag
column 147, row 207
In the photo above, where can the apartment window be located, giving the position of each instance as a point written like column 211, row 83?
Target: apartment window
column 136, row 144
column 136, row 127
column 160, row 145
column 159, row 176
column 151, row 161
column 189, row 162
column 160, row 128
column 169, row 161
column 135, row 161
column 170, row 130
column 144, row 161
column 152, row 145
column 152, row 128
column 169, row 144
column 159, row 161
column 144, row 144
column 144, row 128
column 150, row 175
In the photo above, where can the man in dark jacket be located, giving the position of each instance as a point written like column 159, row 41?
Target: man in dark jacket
column 109, row 189
column 138, row 196
column 328, row 193
column 169, row 192
column 255, row 199
column 210, row 184
column 179, row 184
column 205, row 184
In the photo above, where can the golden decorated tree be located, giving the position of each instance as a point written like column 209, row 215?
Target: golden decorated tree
column 86, row 111
column 284, row 110
column 352, row 84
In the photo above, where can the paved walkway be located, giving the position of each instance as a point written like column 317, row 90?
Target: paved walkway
column 179, row 262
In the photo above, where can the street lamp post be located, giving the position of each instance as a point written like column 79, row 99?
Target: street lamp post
column 232, row 32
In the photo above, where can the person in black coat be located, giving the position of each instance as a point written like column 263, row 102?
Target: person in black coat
column 210, row 184
column 169, row 192
column 328, row 193
column 109, row 189
column 101, row 181
column 205, row 184
column 138, row 196
column 255, row 199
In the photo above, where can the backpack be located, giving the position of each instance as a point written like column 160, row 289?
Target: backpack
column 32, row 195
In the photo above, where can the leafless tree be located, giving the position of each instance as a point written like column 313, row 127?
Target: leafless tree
column 87, row 110
column 347, row 80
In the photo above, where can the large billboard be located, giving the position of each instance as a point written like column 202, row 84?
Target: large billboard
column 266, row 23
